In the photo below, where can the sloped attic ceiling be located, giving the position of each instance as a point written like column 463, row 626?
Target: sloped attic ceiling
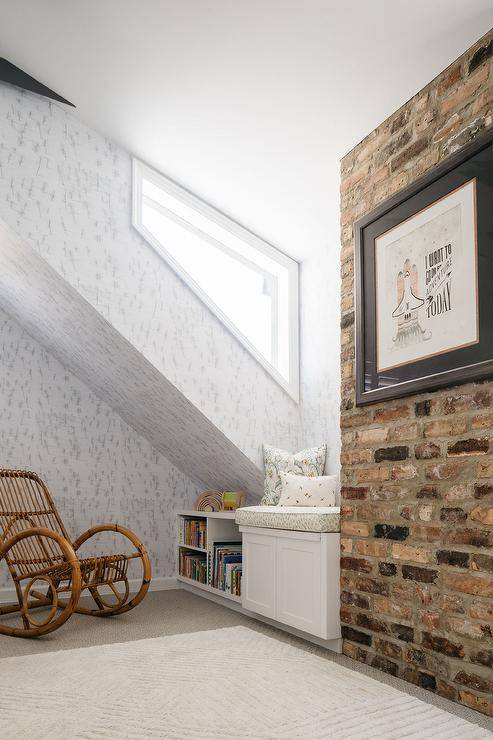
column 54, row 313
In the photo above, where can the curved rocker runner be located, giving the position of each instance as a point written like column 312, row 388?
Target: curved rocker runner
column 44, row 565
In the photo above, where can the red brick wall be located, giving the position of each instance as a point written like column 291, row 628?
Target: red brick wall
column 417, row 473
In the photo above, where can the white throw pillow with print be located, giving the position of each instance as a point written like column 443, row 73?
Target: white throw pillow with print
column 307, row 462
column 301, row 490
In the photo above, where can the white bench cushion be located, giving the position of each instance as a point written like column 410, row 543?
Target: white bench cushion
column 298, row 518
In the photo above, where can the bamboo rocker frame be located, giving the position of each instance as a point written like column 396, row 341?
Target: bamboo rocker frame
column 39, row 554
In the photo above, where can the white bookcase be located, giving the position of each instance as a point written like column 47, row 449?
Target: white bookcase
column 220, row 526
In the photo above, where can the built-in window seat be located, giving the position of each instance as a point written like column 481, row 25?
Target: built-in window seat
column 293, row 518
column 291, row 567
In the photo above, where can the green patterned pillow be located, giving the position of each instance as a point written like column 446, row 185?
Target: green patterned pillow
column 307, row 462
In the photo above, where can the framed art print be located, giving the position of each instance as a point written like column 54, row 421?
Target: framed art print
column 424, row 281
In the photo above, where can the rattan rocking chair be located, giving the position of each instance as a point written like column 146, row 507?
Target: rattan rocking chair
column 40, row 555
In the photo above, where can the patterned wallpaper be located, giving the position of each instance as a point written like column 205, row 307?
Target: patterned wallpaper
column 66, row 190
column 56, row 315
column 97, row 468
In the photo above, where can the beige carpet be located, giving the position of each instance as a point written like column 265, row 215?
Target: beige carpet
column 226, row 683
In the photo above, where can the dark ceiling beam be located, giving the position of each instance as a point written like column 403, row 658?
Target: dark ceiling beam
column 14, row 76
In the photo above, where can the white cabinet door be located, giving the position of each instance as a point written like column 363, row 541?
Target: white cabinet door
column 299, row 598
column 259, row 576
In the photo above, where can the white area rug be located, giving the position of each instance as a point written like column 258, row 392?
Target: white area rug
column 227, row 683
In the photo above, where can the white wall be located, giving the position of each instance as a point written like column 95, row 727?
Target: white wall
column 320, row 354
column 66, row 190
column 97, row 468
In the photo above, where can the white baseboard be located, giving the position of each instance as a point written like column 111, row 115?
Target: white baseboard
column 8, row 595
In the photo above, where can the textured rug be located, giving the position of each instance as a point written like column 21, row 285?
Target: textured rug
column 227, row 683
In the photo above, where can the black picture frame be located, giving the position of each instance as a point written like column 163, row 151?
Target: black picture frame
column 463, row 364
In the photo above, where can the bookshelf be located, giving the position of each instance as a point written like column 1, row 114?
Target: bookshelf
column 211, row 529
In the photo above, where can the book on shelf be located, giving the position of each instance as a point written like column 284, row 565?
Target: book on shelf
column 225, row 566
column 193, row 565
column 194, row 533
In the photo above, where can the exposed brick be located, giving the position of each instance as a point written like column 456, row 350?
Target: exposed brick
column 346, row 545
column 459, row 492
column 482, row 610
column 405, row 432
column 469, row 447
column 412, row 591
column 390, row 649
column 482, row 490
column 356, row 529
column 452, row 603
column 355, row 456
column 355, row 599
column 469, row 536
column 460, row 97
column 371, row 586
column 403, row 472
column 446, row 689
column 470, row 584
column 453, row 557
column 359, row 418
column 414, row 573
column 443, row 471
column 480, row 703
column 369, row 475
column 408, row 154
column 485, row 469
column 391, row 531
column 452, row 514
column 428, row 491
column 483, row 657
column 425, row 512
column 373, row 436
column 347, row 320
column 426, row 534
column 422, row 408
column 437, row 580
column 482, row 514
column 427, row 681
column 391, row 453
column 429, row 619
column 445, row 427
column 358, row 564
column 482, row 562
column 442, row 645
column 370, row 623
column 450, row 79
column 392, row 413
column 466, row 401
column 345, row 615
column 410, row 552
column 403, row 632
column 385, row 665
column 355, row 635
column 353, row 493
column 371, row 547
column 355, row 652
column 384, row 605
column 387, row 569
column 426, row 451
column 470, row 629
column 480, row 56
column 482, row 421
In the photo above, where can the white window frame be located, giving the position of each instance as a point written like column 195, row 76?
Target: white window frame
column 141, row 170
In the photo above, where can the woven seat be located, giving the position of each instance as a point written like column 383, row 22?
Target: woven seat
column 39, row 554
